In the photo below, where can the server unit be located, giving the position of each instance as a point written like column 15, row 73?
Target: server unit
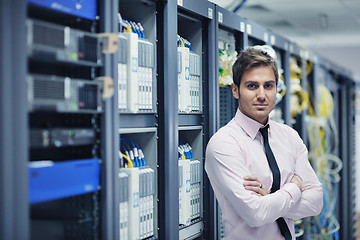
column 52, row 42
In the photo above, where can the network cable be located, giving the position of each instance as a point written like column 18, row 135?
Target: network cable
column 128, row 151
column 180, row 42
column 299, row 98
column 139, row 158
column 129, row 162
column 138, row 151
column 226, row 60
column 141, row 30
column 130, row 26
column 185, row 151
column 325, row 163
column 130, row 148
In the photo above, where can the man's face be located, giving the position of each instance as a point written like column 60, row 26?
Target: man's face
column 257, row 93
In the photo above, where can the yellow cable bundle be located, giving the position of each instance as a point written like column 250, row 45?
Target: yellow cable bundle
column 309, row 63
column 130, row 163
column 128, row 29
column 299, row 99
column 226, row 60
column 325, row 102
column 301, row 103
column 281, row 89
column 181, row 41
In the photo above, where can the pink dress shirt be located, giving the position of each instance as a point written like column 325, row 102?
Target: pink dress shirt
column 237, row 150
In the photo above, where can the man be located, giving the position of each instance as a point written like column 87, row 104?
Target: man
column 239, row 166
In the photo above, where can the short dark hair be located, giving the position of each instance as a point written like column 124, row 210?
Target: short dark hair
column 250, row 58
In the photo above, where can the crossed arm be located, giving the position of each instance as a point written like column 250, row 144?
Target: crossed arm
column 230, row 175
column 253, row 184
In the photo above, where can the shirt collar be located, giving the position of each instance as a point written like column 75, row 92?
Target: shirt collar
column 250, row 126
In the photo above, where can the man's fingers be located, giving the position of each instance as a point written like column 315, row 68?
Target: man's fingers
column 252, row 183
column 296, row 180
column 256, row 190
column 250, row 178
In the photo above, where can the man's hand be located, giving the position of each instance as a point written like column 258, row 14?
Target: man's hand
column 253, row 184
column 295, row 179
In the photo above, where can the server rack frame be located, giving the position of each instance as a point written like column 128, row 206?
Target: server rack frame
column 110, row 139
column 203, row 13
column 168, row 120
column 194, row 136
column 256, row 34
column 147, row 139
column 236, row 25
column 347, row 189
column 143, row 127
column 282, row 44
column 14, row 211
column 15, row 221
column 297, row 52
column 323, row 75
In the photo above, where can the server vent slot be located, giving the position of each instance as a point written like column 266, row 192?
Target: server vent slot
column 48, row 36
column 44, row 89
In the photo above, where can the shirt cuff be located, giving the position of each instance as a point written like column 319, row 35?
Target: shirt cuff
column 293, row 191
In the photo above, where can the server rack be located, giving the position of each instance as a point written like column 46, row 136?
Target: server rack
column 195, row 26
column 257, row 34
column 231, row 30
column 335, row 79
column 310, row 76
column 231, row 36
column 138, row 113
column 351, row 175
column 298, row 121
column 323, row 77
column 281, row 45
column 347, row 199
column 23, row 125
column 86, row 215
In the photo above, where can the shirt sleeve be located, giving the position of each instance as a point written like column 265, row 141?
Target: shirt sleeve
column 226, row 167
column 311, row 201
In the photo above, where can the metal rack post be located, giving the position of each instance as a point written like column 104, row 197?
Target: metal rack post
column 168, row 122
column 14, row 211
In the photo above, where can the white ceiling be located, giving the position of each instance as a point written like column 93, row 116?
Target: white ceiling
column 331, row 28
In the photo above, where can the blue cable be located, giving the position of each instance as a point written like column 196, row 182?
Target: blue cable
column 121, row 160
column 133, row 28
column 126, row 150
column 187, row 149
column 140, row 159
column 141, row 30
column 136, row 29
column 237, row 8
column 190, row 150
column 126, row 143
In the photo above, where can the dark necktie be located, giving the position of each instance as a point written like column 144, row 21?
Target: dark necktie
column 276, row 179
